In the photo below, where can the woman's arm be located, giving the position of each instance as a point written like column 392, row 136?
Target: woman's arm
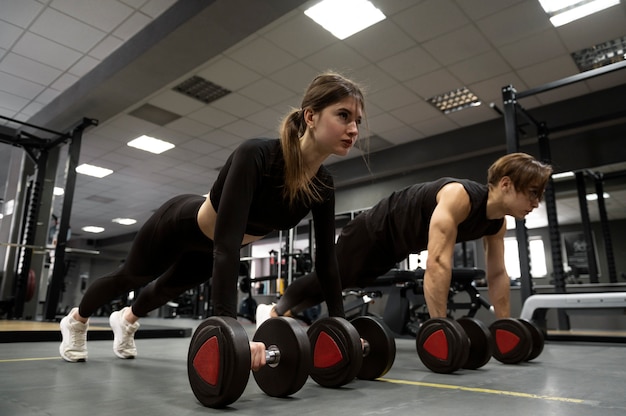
column 240, row 183
column 325, row 257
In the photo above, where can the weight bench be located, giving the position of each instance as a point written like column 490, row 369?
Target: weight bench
column 406, row 307
column 536, row 306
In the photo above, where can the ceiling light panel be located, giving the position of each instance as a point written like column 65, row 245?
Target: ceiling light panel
column 346, row 17
column 562, row 12
column 91, row 170
column 605, row 53
column 150, row 144
column 455, row 100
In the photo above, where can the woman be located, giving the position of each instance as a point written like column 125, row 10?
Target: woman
column 431, row 216
column 266, row 185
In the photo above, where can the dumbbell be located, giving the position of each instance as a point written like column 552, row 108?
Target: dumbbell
column 219, row 359
column 339, row 355
column 445, row 345
column 516, row 340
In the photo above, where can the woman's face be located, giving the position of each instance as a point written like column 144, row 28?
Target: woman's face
column 336, row 128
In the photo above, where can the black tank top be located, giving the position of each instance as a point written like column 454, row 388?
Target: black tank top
column 401, row 220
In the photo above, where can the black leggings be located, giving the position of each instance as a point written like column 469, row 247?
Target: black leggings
column 361, row 260
column 170, row 255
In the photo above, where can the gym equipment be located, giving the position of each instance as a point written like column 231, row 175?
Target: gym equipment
column 406, row 307
column 288, row 357
column 445, row 345
column 536, row 306
column 481, row 344
column 516, row 340
column 379, row 347
column 336, row 350
column 219, row 359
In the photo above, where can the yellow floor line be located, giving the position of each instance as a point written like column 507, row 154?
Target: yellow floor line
column 487, row 391
column 17, row 360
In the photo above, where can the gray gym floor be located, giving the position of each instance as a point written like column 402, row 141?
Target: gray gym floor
column 568, row 378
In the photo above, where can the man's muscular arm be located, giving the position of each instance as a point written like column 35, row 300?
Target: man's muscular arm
column 453, row 207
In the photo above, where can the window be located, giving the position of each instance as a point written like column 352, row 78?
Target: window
column 537, row 257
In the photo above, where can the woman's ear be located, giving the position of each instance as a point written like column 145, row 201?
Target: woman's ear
column 309, row 118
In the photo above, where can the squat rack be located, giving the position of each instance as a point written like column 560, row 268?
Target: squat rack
column 38, row 149
column 512, row 108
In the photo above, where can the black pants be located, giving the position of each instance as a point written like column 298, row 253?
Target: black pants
column 169, row 255
column 361, row 260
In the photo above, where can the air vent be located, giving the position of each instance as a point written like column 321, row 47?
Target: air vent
column 455, row 100
column 602, row 54
column 154, row 114
column 201, row 89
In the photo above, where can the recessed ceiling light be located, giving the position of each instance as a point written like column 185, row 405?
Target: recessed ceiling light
column 346, row 17
column 92, row 229
column 124, row 221
column 594, row 197
column 602, row 54
column 150, row 144
column 563, row 175
column 565, row 11
column 58, row 191
column 91, row 170
column 455, row 100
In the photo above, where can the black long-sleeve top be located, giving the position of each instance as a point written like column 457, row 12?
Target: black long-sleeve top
column 248, row 198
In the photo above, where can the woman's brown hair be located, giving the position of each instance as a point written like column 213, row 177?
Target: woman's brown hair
column 325, row 89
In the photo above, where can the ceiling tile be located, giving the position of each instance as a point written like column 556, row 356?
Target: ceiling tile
column 430, row 19
column 436, row 82
column 435, row 125
column 514, row 23
column 394, row 97
column 547, row 71
column 416, row 112
column 458, row 45
column 189, row 126
column 131, row 26
column 409, row 63
column 176, row 102
column 266, row 91
column 237, row 104
column 367, row 43
column 480, row 67
column 106, row 16
column 8, row 34
column 295, row 77
column 20, row 13
column 339, row 57
column 592, row 30
column 29, row 69
column 66, row 30
column 262, row 56
column 212, row 116
column 533, row 49
column 229, row 74
column 300, row 36
column 477, row 9
column 20, row 87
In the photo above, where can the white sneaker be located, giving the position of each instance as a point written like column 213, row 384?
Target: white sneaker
column 73, row 347
column 263, row 313
column 123, row 335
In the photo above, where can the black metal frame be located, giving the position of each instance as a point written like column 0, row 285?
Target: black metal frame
column 512, row 108
column 37, row 149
